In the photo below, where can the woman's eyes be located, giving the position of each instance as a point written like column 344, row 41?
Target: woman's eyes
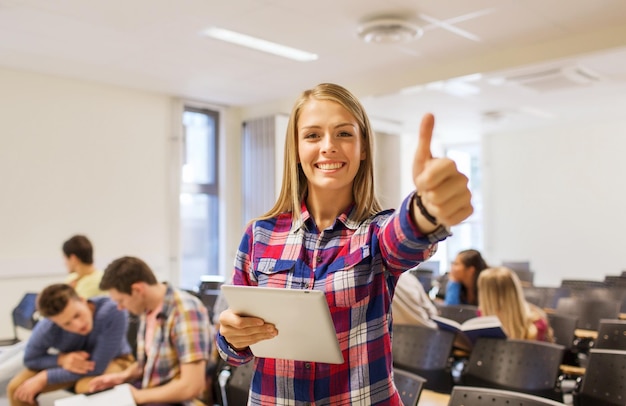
column 339, row 134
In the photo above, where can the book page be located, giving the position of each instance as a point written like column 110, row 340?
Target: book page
column 447, row 324
column 481, row 322
column 119, row 395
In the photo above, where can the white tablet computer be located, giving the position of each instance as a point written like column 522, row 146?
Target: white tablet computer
column 305, row 328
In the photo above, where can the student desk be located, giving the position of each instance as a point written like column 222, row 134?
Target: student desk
column 431, row 398
column 590, row 334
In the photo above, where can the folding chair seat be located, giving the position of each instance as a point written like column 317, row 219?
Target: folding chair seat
column 603, row 381
column 233, row 383
column 425, row 352
column 588, row 311
column 563, row 328
column 611, row 335
column 476, row 396
column 409, row 386
column 526, row 366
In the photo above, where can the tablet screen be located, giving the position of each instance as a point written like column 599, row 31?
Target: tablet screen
column 305, row 327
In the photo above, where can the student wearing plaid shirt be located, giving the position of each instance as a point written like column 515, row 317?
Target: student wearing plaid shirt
column 172, row 340
column 328, row 232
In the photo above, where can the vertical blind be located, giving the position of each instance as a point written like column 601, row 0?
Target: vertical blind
column 259, row 138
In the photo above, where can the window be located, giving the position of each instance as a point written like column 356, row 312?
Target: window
column 199, row 204
column 468, row 234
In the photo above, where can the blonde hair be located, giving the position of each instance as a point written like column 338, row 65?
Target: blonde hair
column 294, row 186
column 500, row 294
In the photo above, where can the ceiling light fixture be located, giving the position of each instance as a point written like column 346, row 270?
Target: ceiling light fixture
column 258, row 44
column 385, row 30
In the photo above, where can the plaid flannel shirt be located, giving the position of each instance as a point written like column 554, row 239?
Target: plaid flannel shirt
column 181, row 336
column 357, row 265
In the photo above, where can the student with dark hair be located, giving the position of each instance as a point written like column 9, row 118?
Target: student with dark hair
column 83, row 276
column 76, row 340
column 173, row 342
column 328, row 232
column 462, row 285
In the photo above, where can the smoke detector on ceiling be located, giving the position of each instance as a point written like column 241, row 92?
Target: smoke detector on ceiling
column 386, row 30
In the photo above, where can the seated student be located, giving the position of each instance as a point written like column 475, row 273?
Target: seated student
column 500, row 294
column 77, row 340
column 461, row 287
column 410, row 304
column 172, row 340
column 83, row 276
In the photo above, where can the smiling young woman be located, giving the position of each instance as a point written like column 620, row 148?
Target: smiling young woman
column 328, row 232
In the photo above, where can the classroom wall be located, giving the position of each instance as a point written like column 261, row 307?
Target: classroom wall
column 81, row 157
column 555, row 196
column 97, row 159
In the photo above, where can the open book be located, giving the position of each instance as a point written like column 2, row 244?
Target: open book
column 119, row 395
column 472, row 329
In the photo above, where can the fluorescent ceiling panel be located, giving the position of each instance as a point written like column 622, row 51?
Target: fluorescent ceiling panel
column 259, row 44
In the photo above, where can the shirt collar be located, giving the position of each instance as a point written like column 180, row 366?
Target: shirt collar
column 168, row 302
column 306, row 221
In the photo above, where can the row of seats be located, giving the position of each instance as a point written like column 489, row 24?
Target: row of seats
column 409, row 387
column 529, row 367
column 430, row 358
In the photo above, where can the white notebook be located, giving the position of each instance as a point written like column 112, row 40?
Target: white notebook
column 305, row 327
column 119, row 395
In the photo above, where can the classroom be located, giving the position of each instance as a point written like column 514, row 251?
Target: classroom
column 92, row 98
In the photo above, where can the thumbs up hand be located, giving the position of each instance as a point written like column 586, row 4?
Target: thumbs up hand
column 441, row 187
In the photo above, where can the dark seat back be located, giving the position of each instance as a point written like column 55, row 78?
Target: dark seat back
column 238, row 386
column 425, row 276
column 131, row 332
column 521, row 365
column 563, row 328
column 474, row 396
column 409, row 386
column 603, row 382
column 421, row 348
column 426, row 352
column 588, row 311
column 611, row 335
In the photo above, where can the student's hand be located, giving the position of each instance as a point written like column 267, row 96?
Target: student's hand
column 31, row 387
column 443, row 189
column 241, row 332
column 106, row 381
column 77, row 362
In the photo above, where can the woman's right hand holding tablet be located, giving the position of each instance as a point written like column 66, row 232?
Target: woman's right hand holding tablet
column 243, row 331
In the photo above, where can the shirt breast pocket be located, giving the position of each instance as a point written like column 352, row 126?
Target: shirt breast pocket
column 351, row 282
column 274, row 273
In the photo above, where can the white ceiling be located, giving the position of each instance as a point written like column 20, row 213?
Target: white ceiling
column 155, row 45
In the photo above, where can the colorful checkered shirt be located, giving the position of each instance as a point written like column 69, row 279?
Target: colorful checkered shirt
column 181, row 336
column 357, row 264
